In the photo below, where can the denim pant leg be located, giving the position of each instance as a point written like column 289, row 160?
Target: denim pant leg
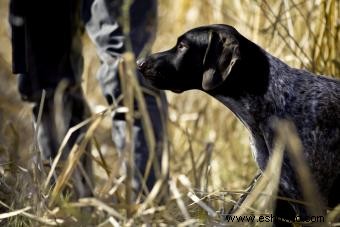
column 157, row 109
column 158, row 119
column 107, row 35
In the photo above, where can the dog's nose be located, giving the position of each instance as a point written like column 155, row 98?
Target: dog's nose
column 141, row 63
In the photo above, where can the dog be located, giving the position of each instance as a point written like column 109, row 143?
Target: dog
column 259, row 88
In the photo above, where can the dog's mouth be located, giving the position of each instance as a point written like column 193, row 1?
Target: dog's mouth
column 152, row 75
column 158, row 80
column 154, row 78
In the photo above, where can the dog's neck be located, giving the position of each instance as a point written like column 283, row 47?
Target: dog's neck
column 254, row 106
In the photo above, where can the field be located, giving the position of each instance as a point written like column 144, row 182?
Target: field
column 210, row 162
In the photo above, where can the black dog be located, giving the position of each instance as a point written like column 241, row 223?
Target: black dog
column 258, row 88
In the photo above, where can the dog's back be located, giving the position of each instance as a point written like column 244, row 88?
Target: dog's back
column 312, row 103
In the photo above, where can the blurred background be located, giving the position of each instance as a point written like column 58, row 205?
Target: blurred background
column 303, row 33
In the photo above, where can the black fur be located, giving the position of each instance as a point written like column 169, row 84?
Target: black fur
column 258, row 88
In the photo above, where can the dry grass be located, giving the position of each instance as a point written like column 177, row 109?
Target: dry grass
column 210, row 160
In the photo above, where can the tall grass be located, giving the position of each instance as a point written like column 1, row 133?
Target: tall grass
column 209, row 154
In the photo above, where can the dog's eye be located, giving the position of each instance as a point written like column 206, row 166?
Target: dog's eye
column 181, row 46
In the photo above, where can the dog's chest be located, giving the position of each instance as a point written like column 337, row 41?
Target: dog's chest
column 259, row 151
column 243, row 112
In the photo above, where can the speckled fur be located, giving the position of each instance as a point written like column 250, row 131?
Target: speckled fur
column 312, row 103
column 259, row 89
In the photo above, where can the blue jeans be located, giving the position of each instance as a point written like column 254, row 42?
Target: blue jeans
column 103, row 25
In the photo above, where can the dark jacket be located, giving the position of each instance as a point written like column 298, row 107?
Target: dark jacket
column 43, row 35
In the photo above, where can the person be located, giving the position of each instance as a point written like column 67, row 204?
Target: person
column 46, row 50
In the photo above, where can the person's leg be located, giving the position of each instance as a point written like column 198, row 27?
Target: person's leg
column 156, row 107
column 56, row 120
column 53, row 54
column 103, row 27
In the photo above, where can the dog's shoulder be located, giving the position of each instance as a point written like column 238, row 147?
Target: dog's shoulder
column 298, row 93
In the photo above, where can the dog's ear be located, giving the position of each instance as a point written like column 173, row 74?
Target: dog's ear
column 220, row 57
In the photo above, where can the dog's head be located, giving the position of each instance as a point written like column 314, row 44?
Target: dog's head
column 203, row 58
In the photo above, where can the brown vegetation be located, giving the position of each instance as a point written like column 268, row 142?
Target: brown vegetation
column 210, row 166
